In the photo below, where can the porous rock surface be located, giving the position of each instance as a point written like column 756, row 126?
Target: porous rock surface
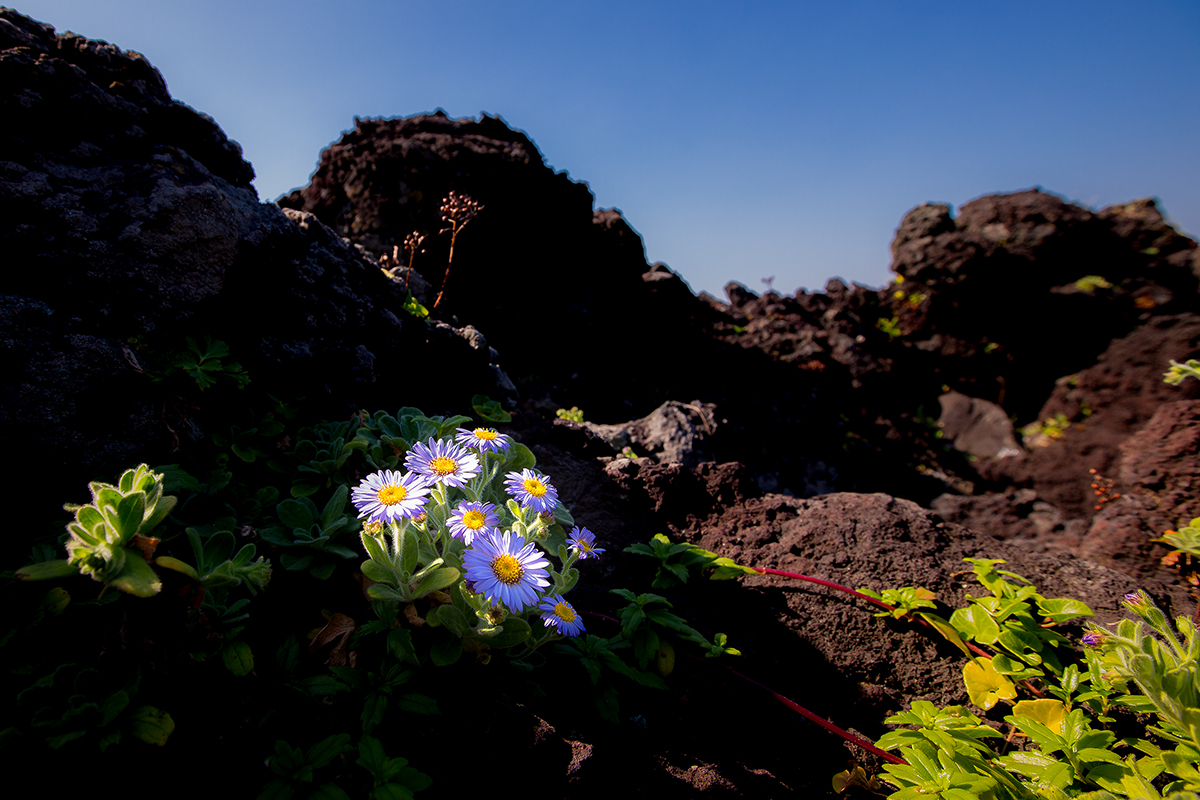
column 130, row 222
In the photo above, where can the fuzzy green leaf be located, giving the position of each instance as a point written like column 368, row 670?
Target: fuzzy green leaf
column 137, row 577
column 46, row 570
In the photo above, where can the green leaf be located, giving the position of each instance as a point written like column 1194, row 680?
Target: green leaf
column 238, row 658
column 445, row 650
column 295, row 514
column 519, row 457
column 151, row 725
column 514, row 631
column 327, row 750
column 381, row 591
column 392, row 791
column 490, row 410
column 973, row 622
column 438, row 579
column 294, row 563
column 130, row 512
column 333, row 509
column 46, row 570
column 1060, row 610
column 137, row 577
column 377, row 573
column 417, row 703
column 174, row 564
column 399, row 644
column 410, row 552
column 945, row 629
column 452, row 618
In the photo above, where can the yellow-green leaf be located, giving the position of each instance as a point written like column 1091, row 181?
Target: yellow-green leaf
column 985, row 686
column 665, row 659
column 238, row 658
column 151, row 725
column 944, row 628
column 1048, row 712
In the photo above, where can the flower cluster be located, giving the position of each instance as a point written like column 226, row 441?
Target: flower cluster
column 441, row 507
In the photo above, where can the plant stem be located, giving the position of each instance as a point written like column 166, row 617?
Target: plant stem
column 827, row 584
column 824, row 723
column 449, row 261
column 979, row 651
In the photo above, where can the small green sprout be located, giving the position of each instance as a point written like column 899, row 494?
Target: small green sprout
column 574, row 414
column 109, row 537
column 1090, row 283
column 413, row 306
column 490, row 410
column 205, row 363
column 889, row 326
column 1177, row 372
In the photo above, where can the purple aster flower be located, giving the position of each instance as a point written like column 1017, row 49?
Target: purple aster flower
column 506, row 569
column 532, row 490
column 584, row 541
column 443, row 462
column 485, row 440
column 387, row 496
column 473, row 519
column 558, row 612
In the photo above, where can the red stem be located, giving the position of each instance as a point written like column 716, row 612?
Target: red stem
column 829, row 584
column 824, row 723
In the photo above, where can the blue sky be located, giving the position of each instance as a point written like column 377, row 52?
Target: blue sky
column 785, row 140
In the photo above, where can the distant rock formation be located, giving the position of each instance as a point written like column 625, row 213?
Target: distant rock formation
column 562, row 290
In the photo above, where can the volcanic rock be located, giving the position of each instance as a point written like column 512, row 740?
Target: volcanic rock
column 131, row 224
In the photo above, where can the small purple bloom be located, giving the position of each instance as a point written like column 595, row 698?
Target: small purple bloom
column 472, row 519
column 584, row 541
column 485, row 440
column 387, row 496
column 558, row 612
column 443, row 462
column 1091, row 639
column 532, row 490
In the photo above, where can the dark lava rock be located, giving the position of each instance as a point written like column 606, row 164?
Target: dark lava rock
column 129, row 224
column 562, row 291
column 1039, row 284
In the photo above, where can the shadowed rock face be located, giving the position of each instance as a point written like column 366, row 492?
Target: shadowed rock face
column 130, row 223
column 563, row 292
column 1010, row 274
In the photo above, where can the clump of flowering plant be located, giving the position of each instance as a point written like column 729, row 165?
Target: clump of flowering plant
column 472, row 529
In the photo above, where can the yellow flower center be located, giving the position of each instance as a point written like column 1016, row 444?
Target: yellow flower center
column 564, row 612
column 474, row 520
column 486, row 434
column 535, row 487
column 390, row 495
column 443, row 466
column 507, row 569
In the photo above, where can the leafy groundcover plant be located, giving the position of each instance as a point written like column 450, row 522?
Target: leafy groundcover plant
column 286, row 614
